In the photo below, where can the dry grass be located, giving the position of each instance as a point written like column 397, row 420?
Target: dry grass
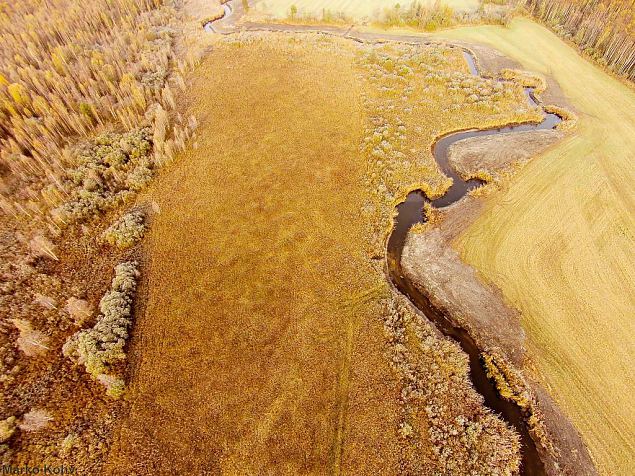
column 571, row 212
column 266, row 281
column 253, row 307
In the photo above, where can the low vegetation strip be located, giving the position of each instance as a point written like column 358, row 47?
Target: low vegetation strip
column 571, row 212
column 102, row 346
column 353, row 11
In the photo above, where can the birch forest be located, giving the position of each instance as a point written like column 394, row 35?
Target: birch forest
column 603, row 29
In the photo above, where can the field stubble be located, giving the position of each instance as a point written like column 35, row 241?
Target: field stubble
column 571, row 213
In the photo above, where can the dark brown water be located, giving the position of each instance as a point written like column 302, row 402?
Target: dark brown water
column 411, row 212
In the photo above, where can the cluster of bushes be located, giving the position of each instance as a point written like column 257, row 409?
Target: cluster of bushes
column 102, row 346
column 440, row 403
column 511, row 386
column 526, row 79
column 569, row 118
column 107, row 171
column 126, row 231
column 426, row 17
column 418, row 15
column 399, row 81
column 477, row 90
column 492, row 12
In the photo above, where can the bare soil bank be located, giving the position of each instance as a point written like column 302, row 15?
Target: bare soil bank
column 496, row 155
column 455, row 288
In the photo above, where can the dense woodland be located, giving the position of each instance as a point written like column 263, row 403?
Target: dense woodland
column 604, row 29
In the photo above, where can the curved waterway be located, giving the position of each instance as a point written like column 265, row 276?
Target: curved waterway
column 227, row 12
column 409, row 213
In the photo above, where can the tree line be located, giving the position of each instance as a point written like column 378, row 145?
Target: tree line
column 604, row 29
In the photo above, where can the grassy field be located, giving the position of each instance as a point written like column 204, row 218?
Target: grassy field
column 253, row 291
column 560, row 243
column 354, row 9
column 262, row 346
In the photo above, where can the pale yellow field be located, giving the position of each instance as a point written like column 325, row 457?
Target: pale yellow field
column 560, row 245
column 356, row 9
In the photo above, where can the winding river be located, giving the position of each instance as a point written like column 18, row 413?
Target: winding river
column 227, row 13
column 409, row 213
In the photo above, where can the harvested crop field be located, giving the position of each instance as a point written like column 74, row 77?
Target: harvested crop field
column 560, row 241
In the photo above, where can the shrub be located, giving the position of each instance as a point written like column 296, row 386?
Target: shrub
column 7, row 428
column 126, row 231
column 108, row 169
column 115, row 386
column 69, row 442
column 42, row 247
column 78, row 309
column 102, row 346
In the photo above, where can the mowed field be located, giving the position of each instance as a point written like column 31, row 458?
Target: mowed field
column 354, row 9
column 259, row 291
column 560, row 243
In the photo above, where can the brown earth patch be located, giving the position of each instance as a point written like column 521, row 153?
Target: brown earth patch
column 498, row 154
column 455, row 288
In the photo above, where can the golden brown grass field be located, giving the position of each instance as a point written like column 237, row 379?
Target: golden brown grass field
column 560, row 244
column 260, row 334
column 194, row 275
column 253, row 292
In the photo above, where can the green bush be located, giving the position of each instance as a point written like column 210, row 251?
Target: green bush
column 126, row 231
column 108, row 171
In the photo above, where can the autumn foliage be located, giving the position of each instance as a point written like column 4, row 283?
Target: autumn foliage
column 71, row 71
column 604, row 29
